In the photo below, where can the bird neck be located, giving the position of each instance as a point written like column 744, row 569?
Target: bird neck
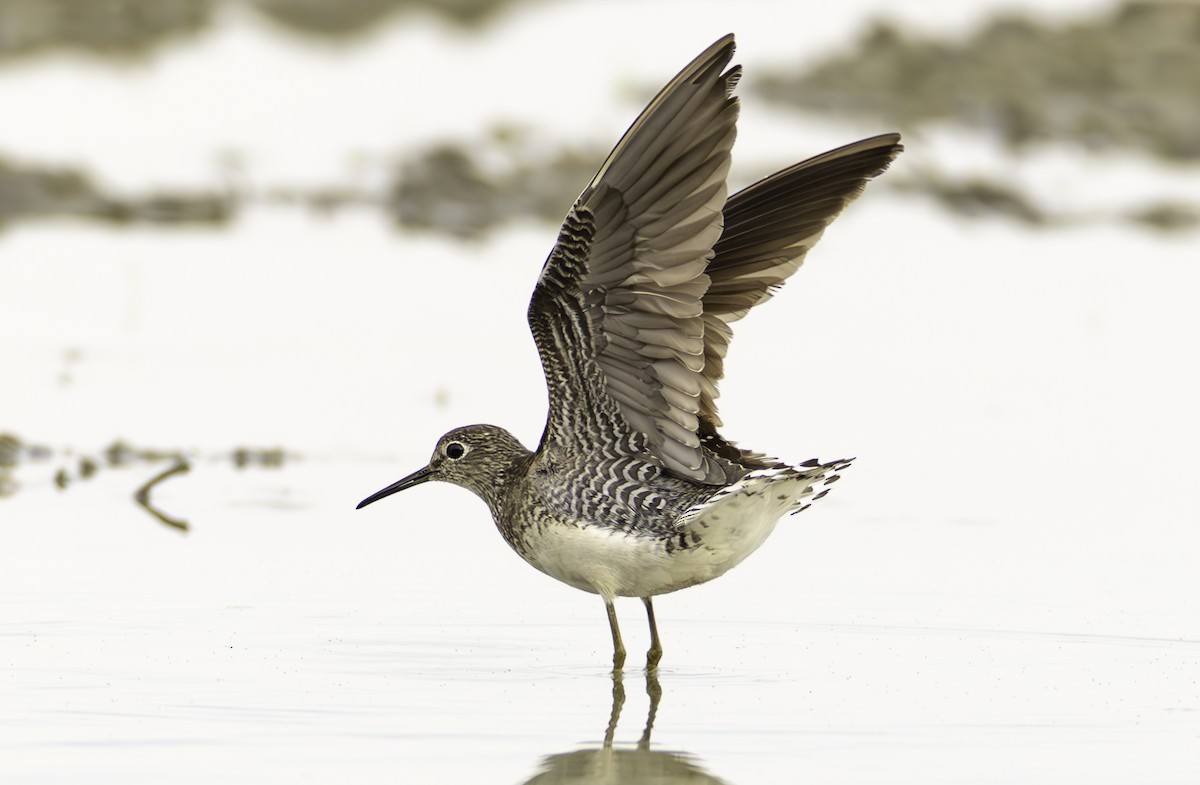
column 507, row 465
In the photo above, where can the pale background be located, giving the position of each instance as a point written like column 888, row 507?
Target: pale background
column 1003, row 589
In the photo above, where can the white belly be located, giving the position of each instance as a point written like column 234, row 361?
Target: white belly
column 730, row 527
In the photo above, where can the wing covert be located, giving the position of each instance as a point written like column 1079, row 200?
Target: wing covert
column 633, row 307
column 619, row 304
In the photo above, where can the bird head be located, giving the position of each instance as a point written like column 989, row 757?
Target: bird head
column 479, row 458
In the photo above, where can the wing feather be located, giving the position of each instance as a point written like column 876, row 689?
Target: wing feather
column 769, row 228
column 623, row 310
column 631, row 312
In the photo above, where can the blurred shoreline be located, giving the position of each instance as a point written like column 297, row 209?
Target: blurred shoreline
column 1119, row 82
column 131, row 29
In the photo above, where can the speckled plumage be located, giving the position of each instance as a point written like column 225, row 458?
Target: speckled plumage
column 632, row 490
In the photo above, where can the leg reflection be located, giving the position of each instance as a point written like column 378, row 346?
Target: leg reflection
column 618, row 702
column 613, row 763
column 654, row 690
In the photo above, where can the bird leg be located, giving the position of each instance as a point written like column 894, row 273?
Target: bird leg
column 655, row 653
column 618, row 646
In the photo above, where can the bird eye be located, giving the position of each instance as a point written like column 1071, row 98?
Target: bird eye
column 454, row 451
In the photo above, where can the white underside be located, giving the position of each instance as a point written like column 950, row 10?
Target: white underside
column 731, row 526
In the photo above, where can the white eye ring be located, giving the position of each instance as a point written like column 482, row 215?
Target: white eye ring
column 455, row 450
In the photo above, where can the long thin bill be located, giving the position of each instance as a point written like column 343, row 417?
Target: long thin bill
column 416, row 478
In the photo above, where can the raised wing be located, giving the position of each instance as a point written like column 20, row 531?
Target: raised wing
column 769, row 227
column 632, row 310
column 618, row 312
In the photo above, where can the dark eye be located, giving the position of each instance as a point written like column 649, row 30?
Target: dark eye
column 454, row 451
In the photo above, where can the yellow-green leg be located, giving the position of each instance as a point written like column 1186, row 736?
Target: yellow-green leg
column 618, row 645
column 655, row 653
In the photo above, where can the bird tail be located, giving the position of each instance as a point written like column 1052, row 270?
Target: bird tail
column 782, row 488
column 823, row 476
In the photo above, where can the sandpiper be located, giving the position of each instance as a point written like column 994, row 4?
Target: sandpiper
column 633, row 491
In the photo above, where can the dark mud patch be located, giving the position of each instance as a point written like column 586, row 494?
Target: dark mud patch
column 456, row 189
column 133, row 29
column 448, row 188
column 33, row 192
column 1125, row 79
column 981, row 197
column 445, row 189
column 67, row 467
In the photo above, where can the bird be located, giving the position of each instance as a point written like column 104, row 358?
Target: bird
column 633, row 491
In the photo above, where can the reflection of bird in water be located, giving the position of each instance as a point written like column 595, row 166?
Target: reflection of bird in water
column 633, row 492
column 609, row 765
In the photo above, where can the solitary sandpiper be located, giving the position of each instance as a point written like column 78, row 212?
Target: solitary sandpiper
column 633, row 491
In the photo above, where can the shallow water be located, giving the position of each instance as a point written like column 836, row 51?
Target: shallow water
column 998, row 591
column 408, row 643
